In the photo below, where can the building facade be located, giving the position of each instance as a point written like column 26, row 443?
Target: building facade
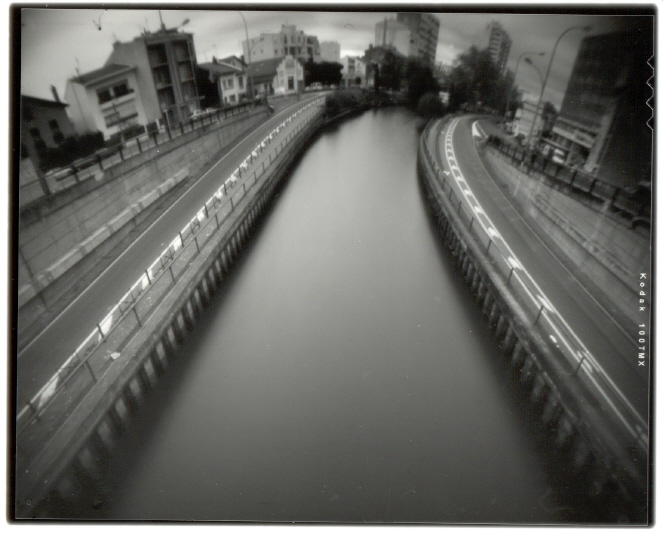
column 394, row 34
column 424, row 29
column 165, row 63
column 44, row 124
column 603, row 122
column 330, row 51
column 353, row 71
column 525, row 116
column 277, row 75
column 288, row 42
column 231, row 78
column 107, row 100
column 499, row 45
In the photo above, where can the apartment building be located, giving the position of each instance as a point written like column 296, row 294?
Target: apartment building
column 330, row 51
column 394, row 34
column 353, row 71
column 165, row 63
column 231, row 78
column 107, row 100
column 424, row 29
column 603, row 122
column 288, row 42
column 499, row 45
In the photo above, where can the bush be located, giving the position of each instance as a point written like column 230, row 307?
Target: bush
column 344, row 99
column 73, row 148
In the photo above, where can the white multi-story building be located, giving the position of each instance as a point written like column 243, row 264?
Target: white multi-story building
column 522, row 124
column 288, row 42
column 330, row 51
column 230, row 77
column 107, row 100
column 353, row 71
column 391, row 33
column 424, row 29
column 499, row 45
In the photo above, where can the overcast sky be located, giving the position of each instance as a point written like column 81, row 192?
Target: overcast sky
column 55, row 42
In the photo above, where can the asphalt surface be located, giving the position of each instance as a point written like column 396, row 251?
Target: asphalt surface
column 610, row 344
column 41, row 358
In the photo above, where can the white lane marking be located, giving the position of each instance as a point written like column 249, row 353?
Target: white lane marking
column 449, row 153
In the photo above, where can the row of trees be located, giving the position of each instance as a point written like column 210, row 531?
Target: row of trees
column 473, row 83
column 325, row 73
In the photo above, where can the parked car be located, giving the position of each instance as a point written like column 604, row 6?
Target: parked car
column 315, row 86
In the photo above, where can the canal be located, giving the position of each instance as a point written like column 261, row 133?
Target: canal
column 342, row 374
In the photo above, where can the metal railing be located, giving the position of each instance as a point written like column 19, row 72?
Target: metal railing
column 621, row 199
column 49, row 408
column 579, row 362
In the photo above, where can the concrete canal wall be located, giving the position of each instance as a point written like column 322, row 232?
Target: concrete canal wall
column 608, row 464
column 76, row 447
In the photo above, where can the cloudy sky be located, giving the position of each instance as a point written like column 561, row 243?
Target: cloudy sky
column 55, row 42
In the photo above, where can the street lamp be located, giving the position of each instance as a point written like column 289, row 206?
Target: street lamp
column 248, row 48
column 508, row 96
column 545, row 80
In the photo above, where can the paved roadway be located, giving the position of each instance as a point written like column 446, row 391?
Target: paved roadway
column 611, row 345
column 42, row 357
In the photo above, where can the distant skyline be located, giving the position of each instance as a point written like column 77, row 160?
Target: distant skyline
column 57, row 42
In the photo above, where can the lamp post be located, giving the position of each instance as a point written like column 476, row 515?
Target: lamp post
column 545, row 79
column 508, row 95
column 248, row 49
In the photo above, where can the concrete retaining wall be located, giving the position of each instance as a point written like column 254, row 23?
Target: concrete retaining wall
column 57, row 235
column 599, row 244
column 77, row 451
column 605, row 466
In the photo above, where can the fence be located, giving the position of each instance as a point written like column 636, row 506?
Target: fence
column 575, row 357
column 619, row 198
column 49, row 408
column 60, row 179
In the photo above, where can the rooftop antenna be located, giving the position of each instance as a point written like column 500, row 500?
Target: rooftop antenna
column 163, row 26
column 78, row 70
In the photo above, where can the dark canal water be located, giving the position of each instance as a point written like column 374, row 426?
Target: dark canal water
column 343, row 374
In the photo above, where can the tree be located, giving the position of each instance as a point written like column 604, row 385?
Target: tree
column 391, row 71
column 326, row 73
column 430, row 105
column 207, row 89
column 420, row 81
column 475, row 81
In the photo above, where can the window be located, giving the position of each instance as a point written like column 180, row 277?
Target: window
column 103, row 95
column 241, row 82
column 37, row 141
column 55, row 131
column 232, row 98
column 230, row 83
column 121, row 89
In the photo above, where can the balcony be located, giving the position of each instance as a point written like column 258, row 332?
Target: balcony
column 114, row 101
